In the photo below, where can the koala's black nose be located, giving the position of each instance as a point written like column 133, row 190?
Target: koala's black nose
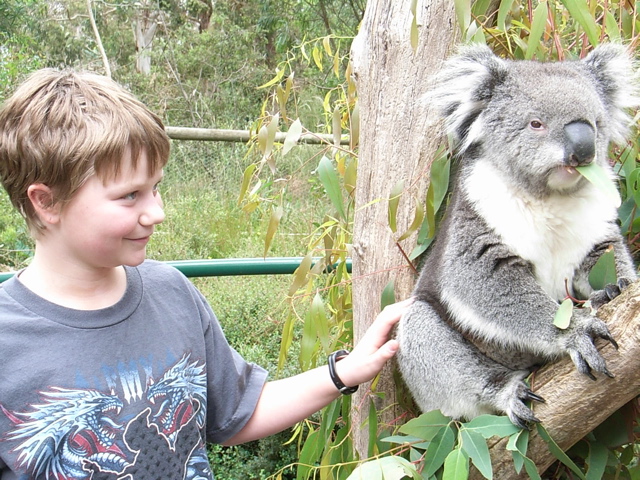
column 580, row 143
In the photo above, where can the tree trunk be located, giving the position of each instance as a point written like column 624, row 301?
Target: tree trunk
column 144, row 29
column 395, row 145
column 575, row 405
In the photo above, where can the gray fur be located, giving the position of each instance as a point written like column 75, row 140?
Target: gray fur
column 520, row 225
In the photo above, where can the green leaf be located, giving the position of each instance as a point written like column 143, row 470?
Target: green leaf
column 388, row 295
column 601, row 179
column 385, row 468
column 308, row 342
column 505, row 7
column 426, row 426
column 417, row 222
column 537, row 29
column 456, row 465
column 246, row 180
column 440, row 447
column 597, row 460
column 557, row 451
column 293, row 135
column 475, row 445
column 336, row 126
column 531, row 468
column 463, row 13
column 414, row 25
column 320, row 323
column 286, row 341
column 301, row 273
column 492, row 425
column 562, row 318
column 331, row 184
column 579, row 10
column 309, row 455
column 274, row 222
column 394, row 200
column 274, row 80
column 603, row 272
column 372, row 424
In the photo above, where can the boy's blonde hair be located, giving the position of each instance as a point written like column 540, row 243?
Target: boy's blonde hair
column 61, row 127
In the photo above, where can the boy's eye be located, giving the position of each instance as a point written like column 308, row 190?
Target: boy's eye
column 130, row 196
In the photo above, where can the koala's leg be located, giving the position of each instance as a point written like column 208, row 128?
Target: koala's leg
column 445, row 371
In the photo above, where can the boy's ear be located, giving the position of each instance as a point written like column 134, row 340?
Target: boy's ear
column 44, row 204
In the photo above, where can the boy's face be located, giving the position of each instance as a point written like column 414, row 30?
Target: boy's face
column 108, row 224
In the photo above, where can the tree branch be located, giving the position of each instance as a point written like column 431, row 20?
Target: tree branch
column 575, row 405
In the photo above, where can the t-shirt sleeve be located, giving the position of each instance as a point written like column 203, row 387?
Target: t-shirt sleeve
column 233, row 385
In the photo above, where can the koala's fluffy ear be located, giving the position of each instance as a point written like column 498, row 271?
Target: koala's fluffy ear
column 464, row 87
column 616, row 81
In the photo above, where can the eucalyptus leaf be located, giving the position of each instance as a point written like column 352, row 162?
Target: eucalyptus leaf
column 426, row 426
column 597, row 460
column 562, row 318
column 492, row 425
column 388, row 294
column 394, row 200
column 579, row 10
column 274, row 222
column 385, row 468
column 537, row 29
column 293, row 135
column 476, row 447
column 456, row 465
column 331, row 184
column 603, row 272
column 601, row 179
column 557, row 451
column 438, row 450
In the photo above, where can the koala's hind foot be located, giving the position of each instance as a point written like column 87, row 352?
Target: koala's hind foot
column 512, row 395
column 578, row 341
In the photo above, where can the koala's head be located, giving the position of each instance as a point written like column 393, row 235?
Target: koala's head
column 536, row 121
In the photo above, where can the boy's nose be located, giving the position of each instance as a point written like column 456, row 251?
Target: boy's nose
column 153, row 214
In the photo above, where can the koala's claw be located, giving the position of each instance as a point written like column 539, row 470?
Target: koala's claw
column 532, row 396
column 612, row 291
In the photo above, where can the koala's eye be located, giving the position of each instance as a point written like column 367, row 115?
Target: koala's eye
column 536, row 125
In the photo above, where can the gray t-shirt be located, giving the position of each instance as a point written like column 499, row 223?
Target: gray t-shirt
column 132, row 391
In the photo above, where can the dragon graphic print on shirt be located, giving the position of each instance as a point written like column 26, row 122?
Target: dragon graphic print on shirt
column 122, row 432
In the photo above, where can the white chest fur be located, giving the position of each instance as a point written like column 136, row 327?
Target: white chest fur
column 554, row 234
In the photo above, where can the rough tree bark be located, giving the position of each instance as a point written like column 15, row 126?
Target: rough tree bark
column 575, row 405
column 394, row 145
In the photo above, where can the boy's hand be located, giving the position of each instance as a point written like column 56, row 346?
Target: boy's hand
column 374, row 348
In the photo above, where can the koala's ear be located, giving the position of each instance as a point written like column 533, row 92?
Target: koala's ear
column 464, row 87
column 616, row 81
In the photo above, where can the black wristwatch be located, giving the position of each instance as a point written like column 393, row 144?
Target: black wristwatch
column 333, row 358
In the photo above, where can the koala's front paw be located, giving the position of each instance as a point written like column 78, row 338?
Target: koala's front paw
column 609, row 292
column 512, row 399
column 578, row 341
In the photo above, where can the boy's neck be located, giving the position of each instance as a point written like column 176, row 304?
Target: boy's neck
column 75, row 288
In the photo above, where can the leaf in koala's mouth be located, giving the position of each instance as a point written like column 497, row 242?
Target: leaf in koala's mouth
column 602, row 181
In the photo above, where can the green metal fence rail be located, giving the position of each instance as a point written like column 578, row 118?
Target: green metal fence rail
column 221, row 267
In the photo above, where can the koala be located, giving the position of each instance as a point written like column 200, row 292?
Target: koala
column 522, row 229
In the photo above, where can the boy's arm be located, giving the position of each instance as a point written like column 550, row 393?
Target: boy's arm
column 290, row 400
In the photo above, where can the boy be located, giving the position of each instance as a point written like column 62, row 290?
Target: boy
column 112, row 366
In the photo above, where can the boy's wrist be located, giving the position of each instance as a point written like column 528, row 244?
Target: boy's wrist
column 333, row 373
